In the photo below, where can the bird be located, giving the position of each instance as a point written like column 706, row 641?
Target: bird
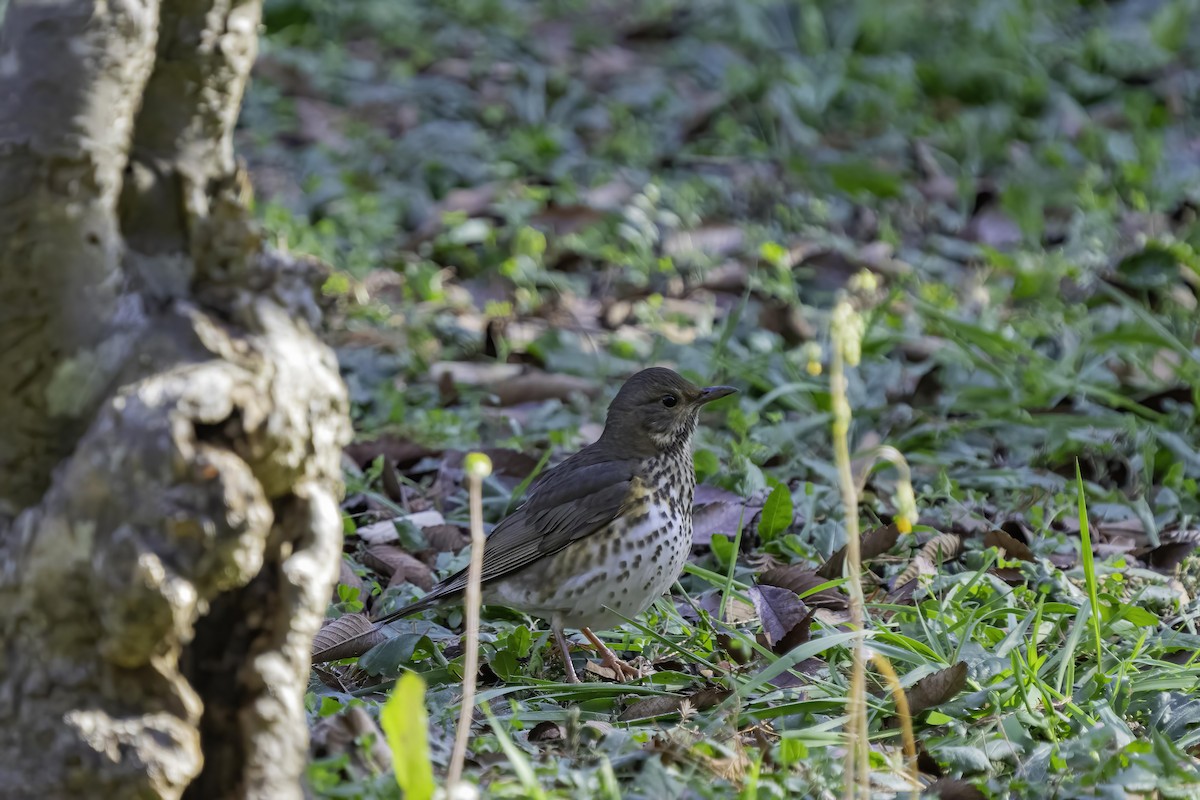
column 602, row 535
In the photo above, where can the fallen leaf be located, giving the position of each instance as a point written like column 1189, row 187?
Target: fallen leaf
column 779, row 610
column 953, row 789
column 938, row 688
column 398, row 566
column 659, row 705
column 536, row 386
column 566, row 219
column 902, row 593
column 547, row 731
column 348, row 636
column 385, row 532
column 938, row 549
column 343, row 734
column 391, row 484
column 403, row 453
column 509, row 468
column 718, row 511
column 1008, row 545
column 800, row 579
column 474, row 373
column 446, row 538
column 797, row 636
column 874, row 543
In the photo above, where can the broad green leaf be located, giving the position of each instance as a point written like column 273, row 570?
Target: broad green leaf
column 407, row 730
column 388, row 658
column 706, row 463
column 1111, row 610
column 722, row 547
column 776, row 514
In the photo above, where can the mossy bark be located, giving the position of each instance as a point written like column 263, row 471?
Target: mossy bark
column 169, row 472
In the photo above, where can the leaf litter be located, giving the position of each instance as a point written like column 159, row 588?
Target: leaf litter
column 554, row 216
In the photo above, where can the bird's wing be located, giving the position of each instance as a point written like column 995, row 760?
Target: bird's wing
column 563, row 507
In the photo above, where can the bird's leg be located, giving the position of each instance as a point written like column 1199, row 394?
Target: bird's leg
column 566, row 652
column 608, row 658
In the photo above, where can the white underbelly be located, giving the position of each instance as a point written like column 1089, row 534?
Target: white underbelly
column 615, row 573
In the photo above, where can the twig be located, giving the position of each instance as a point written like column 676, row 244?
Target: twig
column 478, row 466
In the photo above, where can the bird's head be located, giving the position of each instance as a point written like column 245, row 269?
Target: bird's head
column 656, row 411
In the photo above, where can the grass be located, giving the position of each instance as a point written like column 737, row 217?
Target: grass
column 587, row 189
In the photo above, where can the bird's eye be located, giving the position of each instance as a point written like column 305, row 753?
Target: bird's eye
column 669, row 400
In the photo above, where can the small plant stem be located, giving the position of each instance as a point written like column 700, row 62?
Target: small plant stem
column 857, row 772
column 473, row 599
column 905, row 716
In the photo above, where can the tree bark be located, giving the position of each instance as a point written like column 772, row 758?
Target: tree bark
column 169, row 530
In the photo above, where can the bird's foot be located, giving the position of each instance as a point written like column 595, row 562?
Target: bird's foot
column 622, row 670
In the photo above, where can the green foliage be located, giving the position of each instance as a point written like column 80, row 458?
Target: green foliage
column 404, row 724
column 693, row 183
column 776, row 515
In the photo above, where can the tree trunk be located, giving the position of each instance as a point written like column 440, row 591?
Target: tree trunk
column 170, row 462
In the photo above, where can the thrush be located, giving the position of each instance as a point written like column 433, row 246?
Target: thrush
column 602, row 535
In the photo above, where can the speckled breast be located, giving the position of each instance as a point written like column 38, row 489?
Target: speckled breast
column 620, row 571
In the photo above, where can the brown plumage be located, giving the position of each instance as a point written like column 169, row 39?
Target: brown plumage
column 603, row 534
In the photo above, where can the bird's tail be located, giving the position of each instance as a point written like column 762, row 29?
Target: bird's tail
column 428, row 601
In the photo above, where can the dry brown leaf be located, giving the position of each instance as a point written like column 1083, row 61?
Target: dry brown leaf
column 938, row 688
column 536, row 386
column 547, row 731
column 1009, row 545
column 874, row 543
column 1175, row 546
column 800, row 579
column 780, row 612
column 398, row 566
column 474, row 373
column 738, row 611
column 391, row 483
column 718, row 511
column 402, row 452
column 902, row 592
column 348, row 636
column 953, row 789
column 668, row 704
column 384, row 532
column 938, row 549
column 506, row 463
column 445, row 538
column 341, row 734
column 564, row 220
column 830, row 618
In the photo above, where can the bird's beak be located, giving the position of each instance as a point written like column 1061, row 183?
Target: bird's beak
column 710, row 393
